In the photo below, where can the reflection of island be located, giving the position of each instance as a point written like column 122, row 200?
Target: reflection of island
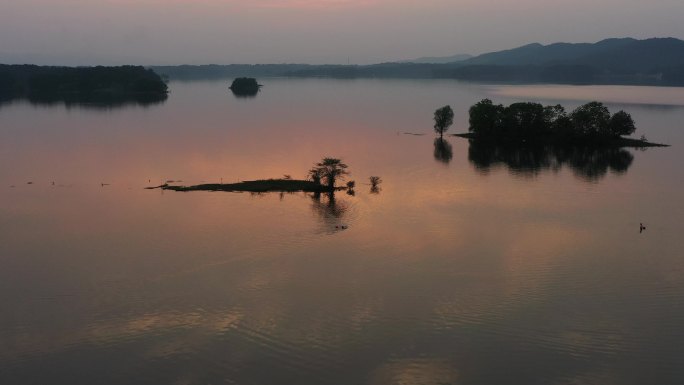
column 443, row 151
column 330, row 210
column 528, row 137
column 101, row 101
column 588, row 162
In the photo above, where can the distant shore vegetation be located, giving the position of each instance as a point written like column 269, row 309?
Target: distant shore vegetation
column 74, row 84
column 591, row 123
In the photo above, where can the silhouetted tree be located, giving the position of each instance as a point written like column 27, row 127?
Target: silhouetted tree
column 621, row 123
column 316, row 174
column 553, row 113
column 524, row 119
column 330, row 170
column 444, row 117
column 485, row 117
column 591, row 119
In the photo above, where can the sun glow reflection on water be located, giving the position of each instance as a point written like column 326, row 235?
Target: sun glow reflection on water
column 455, row 272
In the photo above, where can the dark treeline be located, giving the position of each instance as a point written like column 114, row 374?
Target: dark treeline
column 385, row 70
column 561, row 74
column 215, row 71
column 552, row 73
column 41, row 84
column 591, row 122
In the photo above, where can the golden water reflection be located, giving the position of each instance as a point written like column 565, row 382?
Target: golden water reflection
column 448, row 275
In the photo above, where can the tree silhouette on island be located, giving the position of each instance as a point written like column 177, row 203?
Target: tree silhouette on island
column 320, row 179
column 444, row 118
column 589, row 124
column 329, row 170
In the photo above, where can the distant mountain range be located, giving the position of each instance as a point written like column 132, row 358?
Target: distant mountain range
column 657, row 61
column 612, row 54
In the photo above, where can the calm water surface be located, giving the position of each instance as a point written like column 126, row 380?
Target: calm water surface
column 470, row 265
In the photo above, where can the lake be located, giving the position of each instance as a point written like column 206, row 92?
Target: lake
column 468, row 266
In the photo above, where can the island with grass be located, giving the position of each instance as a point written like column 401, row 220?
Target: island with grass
column 255, row 186
column 320, row 179
column 522, row 123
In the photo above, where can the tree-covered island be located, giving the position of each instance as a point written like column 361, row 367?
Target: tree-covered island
column 245, row 87
column 590, row 124
column 46, row 83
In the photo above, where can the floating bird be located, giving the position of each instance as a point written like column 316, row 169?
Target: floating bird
column 104, row 184
column 641, row 227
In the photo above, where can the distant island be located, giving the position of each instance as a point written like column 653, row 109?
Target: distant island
column 589, row 124
column 656, row 61
column 81, row 84
column 321, row 178
column 256, row 186
column 245, row 87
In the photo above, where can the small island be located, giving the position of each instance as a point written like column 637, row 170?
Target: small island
column 45, row 84
column 321, row 179
column 590, row 124
column 255, row 186
column 245, row 87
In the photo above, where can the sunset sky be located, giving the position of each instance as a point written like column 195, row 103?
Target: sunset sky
column 86, row 32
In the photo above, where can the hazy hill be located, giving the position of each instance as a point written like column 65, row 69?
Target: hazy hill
column 439, row 59
column 537, row 54
column 657, row 61
column 611, row 54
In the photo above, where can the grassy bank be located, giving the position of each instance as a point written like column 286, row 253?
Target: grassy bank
column 256, row 186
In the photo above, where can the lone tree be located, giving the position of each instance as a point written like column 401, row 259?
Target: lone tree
column 444, row 117
column 329, row 170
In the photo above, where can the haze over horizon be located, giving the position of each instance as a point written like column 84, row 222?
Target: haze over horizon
column 157, row 32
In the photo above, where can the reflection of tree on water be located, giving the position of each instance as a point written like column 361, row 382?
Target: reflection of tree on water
column 245, row 94
column 330, row 209
column 443, row 151
column 375, row 184
column 588, row 162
